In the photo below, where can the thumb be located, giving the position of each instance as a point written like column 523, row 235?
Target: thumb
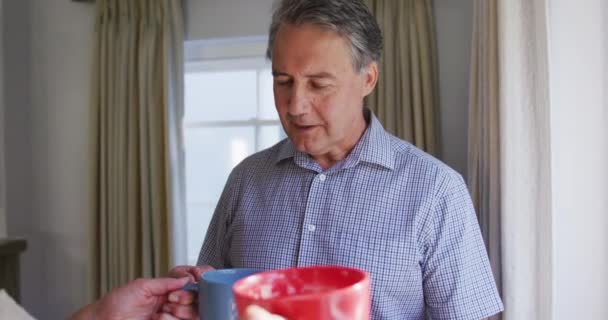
column 254, row 312
column 163, row 286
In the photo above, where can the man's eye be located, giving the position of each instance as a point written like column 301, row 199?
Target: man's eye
column 319, row 85
column 282, row 82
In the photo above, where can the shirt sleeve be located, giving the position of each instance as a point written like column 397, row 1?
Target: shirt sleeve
column 216, row 246
column 457, row 278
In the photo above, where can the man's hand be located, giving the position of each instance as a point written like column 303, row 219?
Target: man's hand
column 138, row 300
column 257, row 313
column 183, row 304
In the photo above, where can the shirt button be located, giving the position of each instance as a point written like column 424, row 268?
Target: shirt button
column 311, row 227
column 322, row 177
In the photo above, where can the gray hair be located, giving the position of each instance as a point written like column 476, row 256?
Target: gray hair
column 351, row 19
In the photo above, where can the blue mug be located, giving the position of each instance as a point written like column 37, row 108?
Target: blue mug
column 215, row 298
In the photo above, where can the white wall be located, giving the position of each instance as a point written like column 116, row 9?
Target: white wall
column 18, row 148
column 208, row 19
column 2, row 174
column 578, row 33
column 48, row 48
column 454, row 25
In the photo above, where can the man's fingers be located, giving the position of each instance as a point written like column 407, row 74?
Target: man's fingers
column 182, row 297
column 193, row 272
column 163, row 286
column 183, row 271
column 181, row 311
column 199, row 270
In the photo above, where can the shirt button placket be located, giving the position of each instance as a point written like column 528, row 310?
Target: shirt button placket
column 307, row 249
column 311, row 228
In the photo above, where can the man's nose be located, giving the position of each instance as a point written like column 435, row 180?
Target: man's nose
column 298, row 102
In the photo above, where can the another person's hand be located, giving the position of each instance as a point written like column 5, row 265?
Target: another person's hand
column 183, row 304
column 258, row 313
column 138, row 300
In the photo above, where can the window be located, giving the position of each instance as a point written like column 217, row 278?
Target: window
column 229, row 115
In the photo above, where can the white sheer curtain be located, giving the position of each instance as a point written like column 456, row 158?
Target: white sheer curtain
column 509, row 151
column 552, row 115
column 525, row 137
column 510, row 172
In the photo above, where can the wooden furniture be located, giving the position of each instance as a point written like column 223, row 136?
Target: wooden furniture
column 9, row 265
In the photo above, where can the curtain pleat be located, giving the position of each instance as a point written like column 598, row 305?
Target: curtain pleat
column 406, row 99
column 484, row 177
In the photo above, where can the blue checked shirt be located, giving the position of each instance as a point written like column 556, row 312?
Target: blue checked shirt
column 387, row 208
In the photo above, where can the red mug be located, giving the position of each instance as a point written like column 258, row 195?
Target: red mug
column 307, row 293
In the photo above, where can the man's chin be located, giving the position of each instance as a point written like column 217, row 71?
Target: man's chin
column 307, row 148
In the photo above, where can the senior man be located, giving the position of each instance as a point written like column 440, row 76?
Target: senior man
column 341, row 190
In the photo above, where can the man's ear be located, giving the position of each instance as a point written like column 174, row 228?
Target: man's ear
column 371, row 78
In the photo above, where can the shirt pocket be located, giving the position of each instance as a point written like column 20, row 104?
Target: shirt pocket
column 393, row 263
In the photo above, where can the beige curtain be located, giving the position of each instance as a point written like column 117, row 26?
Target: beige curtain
column 406, row 99
column 484, row 131
column 138, row 106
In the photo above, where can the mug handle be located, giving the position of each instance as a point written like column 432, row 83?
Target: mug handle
column 191, row 286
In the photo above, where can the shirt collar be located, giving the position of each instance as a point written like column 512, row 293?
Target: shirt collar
column 374, row 147
column 286, row 151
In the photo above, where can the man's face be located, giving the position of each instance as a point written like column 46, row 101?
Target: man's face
column 317, row 92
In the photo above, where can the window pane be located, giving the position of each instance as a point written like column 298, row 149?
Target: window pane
column 220, row 95
column 267, row 108
column 211, row 154
column 270, row 135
